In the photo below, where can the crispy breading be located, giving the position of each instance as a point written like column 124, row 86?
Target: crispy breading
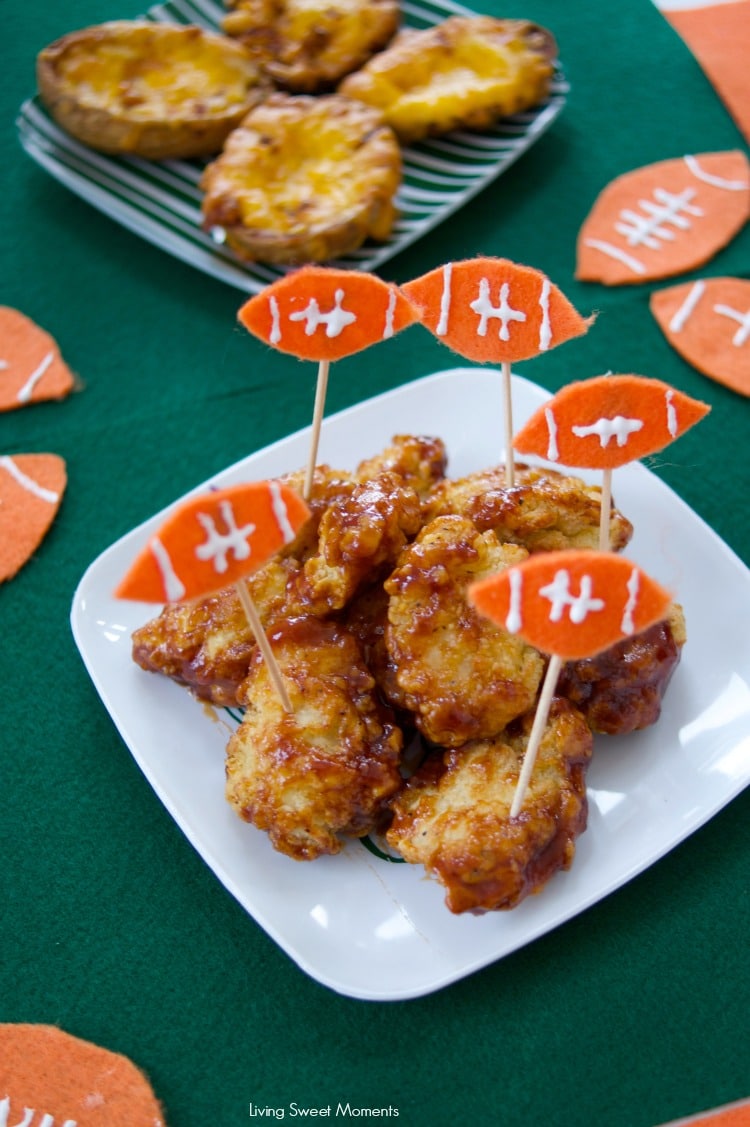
column 306, row 46
column 622, row 689
column 463, row 677
column 358, row 539
column 304, row 179
column 543, row 511
column 326, row 769
column 453, row 815
column 465, row 72
column 420, row 460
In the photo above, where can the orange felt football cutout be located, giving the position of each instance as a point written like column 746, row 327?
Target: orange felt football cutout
column 571, row 603
column 49, row 1078
column 718, row 35
column 491, row 310
column 608, row 421
column 735, row 1114
column 708, row 323
column 664, row 219
column 319, row 313
column 213, row 540
column 31, row 367
column 31, row 489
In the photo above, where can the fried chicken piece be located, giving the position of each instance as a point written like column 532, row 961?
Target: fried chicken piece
column 327, row 768
column 463, row 73
column 543, row 511
column 208, row 644
column 622, row 689
column 453, row 815
column 358, row 538
column 421, row 461
column 464, row 677
column 307, row 46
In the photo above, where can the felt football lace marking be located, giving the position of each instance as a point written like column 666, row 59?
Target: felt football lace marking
column 218, row 544
column 30, row 486
column 683, row 314
column 743, row 319
column 504, row 312
column 25, row 393
column 335, row 320
column 560, row 596
column 28, row 1117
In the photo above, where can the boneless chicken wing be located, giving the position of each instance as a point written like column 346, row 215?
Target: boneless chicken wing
column 327, row 768
column 463, row 677
column 543, row 510
column 453, row 815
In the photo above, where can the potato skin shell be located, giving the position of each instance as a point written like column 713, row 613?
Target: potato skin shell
column 154, row 132
column 300, row 214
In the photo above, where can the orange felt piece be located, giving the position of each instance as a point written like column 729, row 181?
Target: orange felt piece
column 48, row 1072
column 31, row 490
column 493, row 311
column 664, row 218
column 31, row 367
column 719, row 37
column 608, row 421
column 571, row 603
column 320, row 313
column 735, row 1114
column 708, row 323
column 213, row 540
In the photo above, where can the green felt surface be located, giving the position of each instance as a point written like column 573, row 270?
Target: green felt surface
column 633, row 1013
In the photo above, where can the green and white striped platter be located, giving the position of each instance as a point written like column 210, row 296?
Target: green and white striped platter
column 160, row 202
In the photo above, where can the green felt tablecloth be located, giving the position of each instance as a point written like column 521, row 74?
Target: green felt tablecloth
column 113, row 928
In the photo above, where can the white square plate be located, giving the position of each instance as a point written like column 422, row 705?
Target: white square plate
column 160, row 200
column 358, row 923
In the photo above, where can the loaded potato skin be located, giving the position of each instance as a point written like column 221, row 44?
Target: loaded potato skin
column 158, row 91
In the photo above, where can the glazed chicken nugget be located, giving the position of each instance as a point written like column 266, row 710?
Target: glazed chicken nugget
column 420, row 460
column 304, row 179
column 326, row 769
column 622, row 689
column 453, row 815
column 358, row 539
column 543, row 511
column 464, row 677
column 306, row 46
column 464, row 73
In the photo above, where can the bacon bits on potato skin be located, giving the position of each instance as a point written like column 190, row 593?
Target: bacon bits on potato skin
column 304, row 179
column 453, row 815
column 464, row 73
column 461, row 675
column 326, row 769
column 157, row 91
column 306, row 48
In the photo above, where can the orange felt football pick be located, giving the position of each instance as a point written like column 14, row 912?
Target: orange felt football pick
column 31, row 490
column 569, row 604
column 494, row 311
column 214, row 540
column 708, row 323
column 49, row 1078
column 31, row 367
column 321, row 313
column 608, row 421
column 735, row 1114
column 664, row 218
